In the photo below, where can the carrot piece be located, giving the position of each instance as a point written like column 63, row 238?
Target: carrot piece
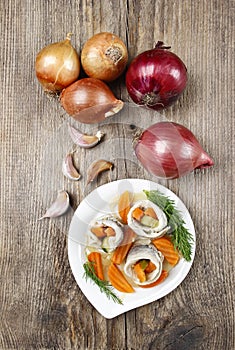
column 95, row 257
column 140, row 273
column 151, row 212
column 122, row 250
column 166, row 247
column 109, row 231
column 150, row 268
column 124, row 206
column 162, row 277
column 98, row 231
column 118, row 280
column 138, row 214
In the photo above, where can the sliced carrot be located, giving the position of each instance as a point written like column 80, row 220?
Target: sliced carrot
column 124, row 206
column 140, row 273
column 122, row 250
column 151, row 212
column 95, row 257
column 98, row 231
column 109, row 231
column 118, row 280
column 162, row 277
column 138, row 214
column 166, row 247
column 150, row 268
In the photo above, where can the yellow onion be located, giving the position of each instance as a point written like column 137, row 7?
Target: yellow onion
column 104, row 56
column 57, row 65
column 89, row 101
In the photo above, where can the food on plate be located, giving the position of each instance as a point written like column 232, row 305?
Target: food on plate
column 166, row 247
column 143, row 263
column 122, row 250
column 106, row 233
column 134, row 246
column 124, row 205
column 118, row 280
column 147, row 220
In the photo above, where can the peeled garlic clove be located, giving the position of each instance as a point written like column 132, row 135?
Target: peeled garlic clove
column 58, row 207
column 96, row 168
column 83, row 140
column 68, row 168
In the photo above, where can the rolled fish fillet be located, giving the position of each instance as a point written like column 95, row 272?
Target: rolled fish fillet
column 143, row 263
column 147, row 220
column 106, row 233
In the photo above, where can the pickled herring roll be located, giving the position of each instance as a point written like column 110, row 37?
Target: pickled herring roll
column 106, row 233
column 143, row 263
column 147, row 220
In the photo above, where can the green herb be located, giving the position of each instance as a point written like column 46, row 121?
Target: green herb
column 105, row 286
column 181, row 237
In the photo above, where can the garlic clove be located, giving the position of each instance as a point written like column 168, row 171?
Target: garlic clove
column 69, row 169
column 84, row 140
column 58, row 207
column 96, row 168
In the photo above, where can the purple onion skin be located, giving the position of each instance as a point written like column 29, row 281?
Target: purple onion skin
column 156, row 78
column 169, row 150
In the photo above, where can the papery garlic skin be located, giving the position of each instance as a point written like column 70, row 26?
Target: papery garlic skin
column 58, row 207
column 96, row 168
column 68, row 168
column 84, row 140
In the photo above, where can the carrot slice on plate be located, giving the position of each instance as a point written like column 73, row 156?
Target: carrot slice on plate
column 139, row 272
column 95, row 258
column 124, row 205
column 150, row 268
column 98, row 231
column 162, row 277
column 122, row 250
column 118, row 280
column 137, row 214
column 166, row 247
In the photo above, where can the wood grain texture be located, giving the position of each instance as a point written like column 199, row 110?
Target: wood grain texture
column 41, row 306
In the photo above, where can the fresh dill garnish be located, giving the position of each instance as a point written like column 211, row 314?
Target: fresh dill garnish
column 105, row 286
column 180, row 236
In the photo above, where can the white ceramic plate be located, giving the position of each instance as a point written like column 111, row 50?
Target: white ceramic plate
column 96, row 204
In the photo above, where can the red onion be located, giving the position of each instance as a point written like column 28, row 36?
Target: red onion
column 169, row 150
column 156, row 78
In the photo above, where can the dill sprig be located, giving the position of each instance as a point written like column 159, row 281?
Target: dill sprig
column 105, row 286
column 180, row 236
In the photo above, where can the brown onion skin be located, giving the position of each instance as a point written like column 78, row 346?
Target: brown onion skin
column 169, row 150
column 96, row 60
column 57, row 66
column 89, row 101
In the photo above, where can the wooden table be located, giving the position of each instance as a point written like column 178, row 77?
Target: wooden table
column 41, row 305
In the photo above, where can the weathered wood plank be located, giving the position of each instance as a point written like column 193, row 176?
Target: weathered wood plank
column 41, row 305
